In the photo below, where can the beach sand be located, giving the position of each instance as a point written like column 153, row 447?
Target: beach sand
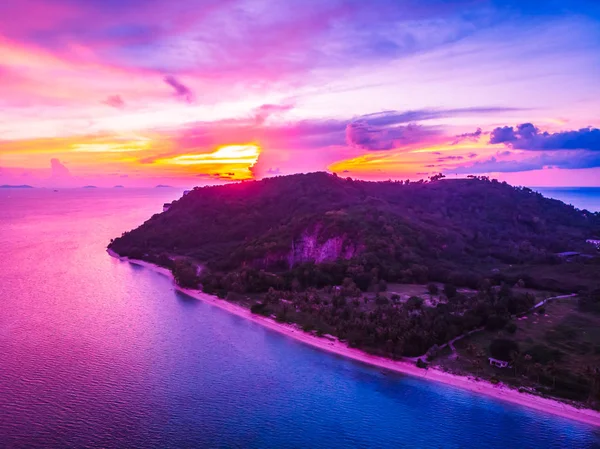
column 498, row 391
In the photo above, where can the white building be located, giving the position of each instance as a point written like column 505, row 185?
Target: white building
column 594, row 242
column 498, row 363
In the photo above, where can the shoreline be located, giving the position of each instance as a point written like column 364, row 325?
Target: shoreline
column 500, row 391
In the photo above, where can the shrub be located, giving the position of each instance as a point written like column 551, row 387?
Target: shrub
column 421, row 364
column 511, row 328
column 414, row 303
column 260, row 309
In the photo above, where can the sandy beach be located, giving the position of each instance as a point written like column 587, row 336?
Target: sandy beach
column 499, row 391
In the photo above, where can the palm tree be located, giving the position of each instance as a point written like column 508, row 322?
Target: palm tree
column 537, row 370
column 593, row 376
column 552, row 371
column 517, row 360
column 527, row 363
column 471, row 349
column 478, row 365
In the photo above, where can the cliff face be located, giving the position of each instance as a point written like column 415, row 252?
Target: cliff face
column 308, row 249
column 311, row 247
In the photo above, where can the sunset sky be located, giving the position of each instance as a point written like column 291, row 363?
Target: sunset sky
column 142, row 92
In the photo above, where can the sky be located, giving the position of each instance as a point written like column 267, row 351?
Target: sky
column 196, row 92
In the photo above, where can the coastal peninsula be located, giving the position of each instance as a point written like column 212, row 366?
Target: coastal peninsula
column 399, row 272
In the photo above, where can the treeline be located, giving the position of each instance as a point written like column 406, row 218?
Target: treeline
column 388, row 326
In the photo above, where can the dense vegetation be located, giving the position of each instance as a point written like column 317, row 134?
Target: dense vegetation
column 389, row 325
column 451, row 231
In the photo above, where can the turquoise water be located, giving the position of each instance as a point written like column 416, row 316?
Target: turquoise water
column 101, row 353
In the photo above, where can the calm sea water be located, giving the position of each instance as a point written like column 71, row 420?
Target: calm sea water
column 95, row 352
column 580, row 197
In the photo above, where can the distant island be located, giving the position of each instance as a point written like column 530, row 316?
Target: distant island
column 119, row 187
column 89, row 187
column 471, row 276
column 163, row 186
column 23, row 186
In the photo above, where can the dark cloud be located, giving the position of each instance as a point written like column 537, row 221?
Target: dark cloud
column 375, row 138
column 58, row 169
column 362, row 135
column 527, row 137
column 502, row 134
column 472, row 155
column 115, row 101
column 474, row 136
column 181, row 90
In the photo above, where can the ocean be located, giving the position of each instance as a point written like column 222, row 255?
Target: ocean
column 580, row 197
column 96, row 352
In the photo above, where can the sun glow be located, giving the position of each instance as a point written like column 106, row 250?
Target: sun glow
column 233, row 162
column 229, row 154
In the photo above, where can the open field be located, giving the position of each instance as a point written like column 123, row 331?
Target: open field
column 560, row 350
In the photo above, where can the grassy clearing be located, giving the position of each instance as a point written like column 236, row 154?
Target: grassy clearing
column 558, row 348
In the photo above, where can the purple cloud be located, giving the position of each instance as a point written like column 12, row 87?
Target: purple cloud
column 386, row 118
column 527, row 137
column 566, row 159
column 474, row 136
column 373, row 138
column 450, row 158
column 362, row 135
column 181, row 90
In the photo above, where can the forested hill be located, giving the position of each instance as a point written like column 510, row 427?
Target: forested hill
column 455, row 231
